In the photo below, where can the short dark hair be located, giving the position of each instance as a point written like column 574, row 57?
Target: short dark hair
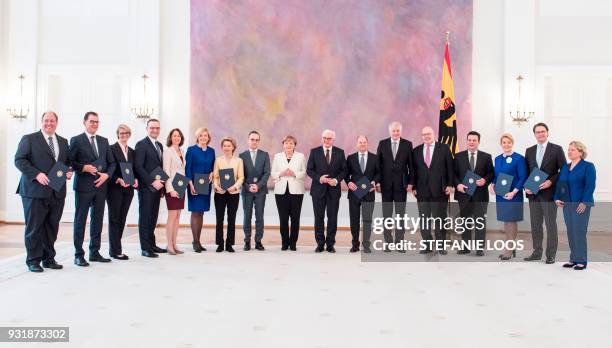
column 152, row 120
column 49, row 112
column 473, row 133
column 254, row 132
column 89, row 113
column 169, row 140
column 540, row 124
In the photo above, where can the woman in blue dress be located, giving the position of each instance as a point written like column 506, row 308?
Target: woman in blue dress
column 510, row 207
column 200, row 159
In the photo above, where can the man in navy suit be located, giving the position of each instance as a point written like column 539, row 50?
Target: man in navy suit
column 92, row 159
column 359, row 164
column 327, row 168
column 36, row 155
column 148, row 155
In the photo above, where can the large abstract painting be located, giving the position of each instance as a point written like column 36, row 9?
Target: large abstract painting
column 300, row 66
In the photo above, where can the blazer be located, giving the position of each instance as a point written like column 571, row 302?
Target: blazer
column 317, row 166
column 354, row 173
column 173, row 164
column 260, row 170
column 33, row 157
column 396, row 173
column 483, row 168
column 146, row 160
column 119, row 157
column 552, row 162
column 580, row 182
column 81, row 153
column 431, row 182
column 297, row 164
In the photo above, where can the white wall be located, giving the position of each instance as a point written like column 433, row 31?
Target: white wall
column 89, row 54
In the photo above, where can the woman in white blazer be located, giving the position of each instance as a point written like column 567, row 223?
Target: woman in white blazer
column 288, row 172
column 174, row 162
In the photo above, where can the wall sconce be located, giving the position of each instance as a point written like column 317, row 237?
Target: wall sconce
column 521, row 114
column 143, row 110
column 20, row 110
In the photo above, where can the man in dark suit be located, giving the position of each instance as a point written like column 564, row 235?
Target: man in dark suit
column 148, row 155
column 359, row 164
column 254, row 189
column 92, row 159
column 36, row 155
column 395, row 160
column 549, row 158
column 433, row 180
column 327, row 168
column 474, row 206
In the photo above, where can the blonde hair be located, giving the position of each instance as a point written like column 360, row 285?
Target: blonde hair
column 199, row 132
column 124, row 127
column 231, row 140
column 290, row 138
column 507, row 136
column 580, row 147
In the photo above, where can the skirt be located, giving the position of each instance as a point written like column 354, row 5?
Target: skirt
column 174, row 203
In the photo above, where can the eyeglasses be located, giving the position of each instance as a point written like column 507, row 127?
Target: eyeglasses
column 253, row 139
column 324, row 138
column 124, row 133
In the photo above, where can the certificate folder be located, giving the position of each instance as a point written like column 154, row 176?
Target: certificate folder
column 363, row 187
column 57, row 176
column 503, row 184
column 534, row 181
column 179, row 183
column 201, row 184
column 226, row 178
column 469, row 180
column 127, row 173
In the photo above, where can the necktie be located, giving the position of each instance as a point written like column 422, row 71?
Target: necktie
column 94, row 147
column 427, row 155
column 472, row 161
column 362, row 162
column 253, row 156
column 159, row 153
column 539, row 155
column 52, row 146
column 394, row 149
column 327, row 157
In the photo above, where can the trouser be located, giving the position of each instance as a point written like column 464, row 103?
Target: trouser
column 577, row 225
column 394, row 199
column 543, row 212
column 433, row 207
column 477, row 211
column 230, row 202
column 148, row 211
column 118, row 201
column 42, row 217
column 250, row 201
column 322, row 205
column 86, row 202
column 359, row 209
column 289, row 207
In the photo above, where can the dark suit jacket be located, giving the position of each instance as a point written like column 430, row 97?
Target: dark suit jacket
column 260, row 170
column 119, row 157
column 552, row 162
column 81, row 153
column 34, row 156
column 317, row 166
column 483, row 168
column 145, row 161
column 395, row 174
column 354, row 173
column 430, row 182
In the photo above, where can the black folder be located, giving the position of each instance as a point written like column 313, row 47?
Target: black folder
column 226, row 178
column 201, row 184
column 57, row 176
column 503, row 184
column 363, row 187
column 127, row 173
column 562, row 192
column 469, row 180
column 179, row 183
column 534, row 180
column 158, row 174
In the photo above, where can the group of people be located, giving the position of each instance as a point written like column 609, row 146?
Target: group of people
column 429, row 171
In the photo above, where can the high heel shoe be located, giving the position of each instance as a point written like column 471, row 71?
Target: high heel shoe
column 196, row 247
column 171, row 252
column 179, row 251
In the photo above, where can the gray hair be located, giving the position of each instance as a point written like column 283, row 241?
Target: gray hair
column 395, row 124
column 333, row 134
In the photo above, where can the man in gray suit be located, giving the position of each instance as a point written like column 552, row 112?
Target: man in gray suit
column 254, row 189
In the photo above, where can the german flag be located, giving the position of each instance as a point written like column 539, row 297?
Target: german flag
column 447, row 128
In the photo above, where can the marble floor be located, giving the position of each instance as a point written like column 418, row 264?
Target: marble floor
column 301, row 299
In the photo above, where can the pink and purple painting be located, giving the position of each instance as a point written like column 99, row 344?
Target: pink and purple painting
column 300, row 66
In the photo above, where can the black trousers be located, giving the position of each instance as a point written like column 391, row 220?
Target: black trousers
column 475, row 210
column 543, row 212
column 289, row 207
column 433, row 207
column 322, row 205
column 86, row 202
column 230, row 202
column 148, row 211
column 42, row 217
column 357, row 210
column 394, row 199
column 118, row 200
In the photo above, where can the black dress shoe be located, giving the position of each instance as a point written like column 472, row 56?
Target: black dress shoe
column 293, row 248
column 479, row 253
column 533, row 257
column 442, row 252
column 98, row 258
column 35, row 268
column 354, row 249
column 284, row 247
column 319, row 249
column 463, row 252
column 580, row 267
column 259, row 246
column 219, row 248
column 80, row 261
column 569, row 265
column 52, row 265
column 120, row 257
column 367, row 250
column 196, row 247
column 159, row 250
column 229, row 248
column 550, row 260
column 331, row 249
column 147, row 253
column 247, row 246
